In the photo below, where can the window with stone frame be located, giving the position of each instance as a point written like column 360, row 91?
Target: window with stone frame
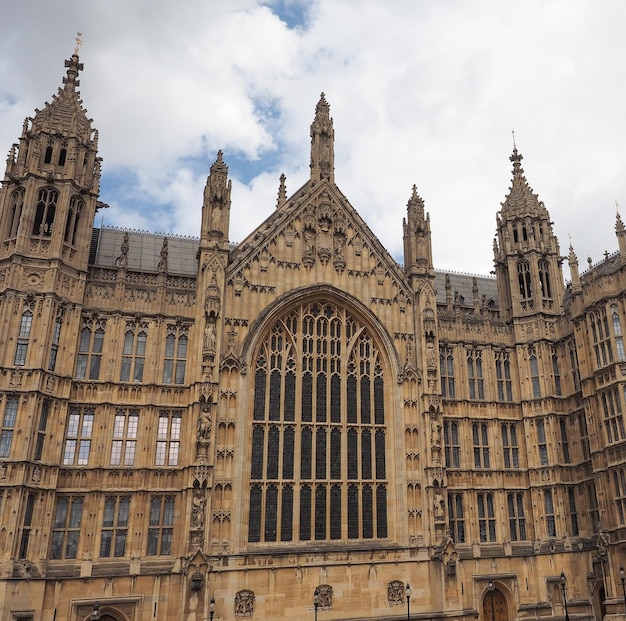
column 16, row 204
column 318, row 418
column 27, row 525
column 542, row 443
column 23, row 336
column 55, row 341
column 46, row 205
column 517, row 520
column 617, row 333
column 175, row 359
column 486, row 517
column 544, row 279
column 114, row 529
column 510, row 447
column 573, row 512
column 452, row 444
column 583, row 434
column 548, row 507
column 41, row 429
column 613, row 419
column 573, row 356
column 476, row 383
column 124, row 443
column 564, row 440
column 534, row 372
column 480, row 441
column 456, row 517
column 160, row 526
column 504, row 382
column 601, row 337
column 78, row 436
column 66, row 527
column 556, row 373
column 168, row 438
column 619, row 482
column 73, row 217
column 90, row 346
column 594, row 513
column 134, row 352
column 524, row 281
column 446, row 371
column 8, row 426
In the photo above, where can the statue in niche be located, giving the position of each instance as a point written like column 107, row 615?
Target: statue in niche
column 209, row 336
column 435, row 432
column 122, row 260
column 439, row 506
column 197, row 510
column 216, row 218
column 204, row 423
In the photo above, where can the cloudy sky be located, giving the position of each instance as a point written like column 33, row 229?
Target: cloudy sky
column 421, row 92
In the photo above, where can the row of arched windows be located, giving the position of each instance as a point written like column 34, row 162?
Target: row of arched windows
column 45, row 212
column 525, row 280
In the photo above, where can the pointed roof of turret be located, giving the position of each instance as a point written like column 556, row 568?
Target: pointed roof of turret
column 415, row 205
column 65, row 114
column 521, row 200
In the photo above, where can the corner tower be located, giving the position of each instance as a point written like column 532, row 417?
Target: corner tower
column 526, row 252
column 50, row 189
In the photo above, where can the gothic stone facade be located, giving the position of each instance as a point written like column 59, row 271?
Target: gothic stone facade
column 297, row 425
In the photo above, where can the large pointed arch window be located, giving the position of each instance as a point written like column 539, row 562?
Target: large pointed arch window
column 15, row 212
column 44, row 213
column 318, row 464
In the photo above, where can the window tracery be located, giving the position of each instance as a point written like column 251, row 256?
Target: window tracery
column 318, row 467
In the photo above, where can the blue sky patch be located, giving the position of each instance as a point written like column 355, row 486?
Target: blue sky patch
column 294, row 13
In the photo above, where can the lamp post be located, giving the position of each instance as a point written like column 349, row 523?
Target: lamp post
column 212, row 607
column 563, row 582
column 316, row 601
column 623, row 579
column 491, row 587
column 407, row 591
column 95, row 614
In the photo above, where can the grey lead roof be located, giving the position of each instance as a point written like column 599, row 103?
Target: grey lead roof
column 144, row 253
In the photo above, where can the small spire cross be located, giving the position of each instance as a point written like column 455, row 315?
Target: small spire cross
column 79, row 41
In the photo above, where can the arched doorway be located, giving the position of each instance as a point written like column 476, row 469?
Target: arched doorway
column 599, row 607
column 495, row 607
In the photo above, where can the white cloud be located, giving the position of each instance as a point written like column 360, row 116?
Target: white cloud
column 420, row 92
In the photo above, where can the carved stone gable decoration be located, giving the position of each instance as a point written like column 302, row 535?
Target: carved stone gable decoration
column 244, row 603
column 395, row 593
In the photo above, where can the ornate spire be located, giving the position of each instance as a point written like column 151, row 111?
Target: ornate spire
column 521, row 199
column 66, row 114
column 572, row 260
column 322, row 143
column 216, row 206
column 620, row 232
column 282, row 192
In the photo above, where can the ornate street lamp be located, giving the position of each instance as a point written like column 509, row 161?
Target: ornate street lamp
column 623, row 579
column 407, row 591
column 212, row 607
column 491, row 587
column 316, row 601
column 563, row 583
column 96, row 614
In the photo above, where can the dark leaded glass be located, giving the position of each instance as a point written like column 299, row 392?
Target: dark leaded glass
column 335, row 454
column 288, row 442
column 305, row 513
column 320, row 512
column 273, row 452
column 258, row 439
column 271, row 508
column 320, row 453
column 286, row 516
column 254, row 523
column 305, row 453
column 335, row 512
column 368, row 531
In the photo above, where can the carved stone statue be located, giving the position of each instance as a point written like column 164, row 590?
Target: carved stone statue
column 197, row 510
column 439, row 506
column 435, row 432
column 204, row 423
